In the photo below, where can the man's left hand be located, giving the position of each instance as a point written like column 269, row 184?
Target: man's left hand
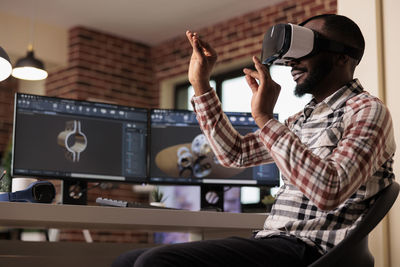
column 265, row 92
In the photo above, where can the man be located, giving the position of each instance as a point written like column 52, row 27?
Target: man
column 334, row 156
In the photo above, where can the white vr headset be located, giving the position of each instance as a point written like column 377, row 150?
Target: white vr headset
column 285, row 42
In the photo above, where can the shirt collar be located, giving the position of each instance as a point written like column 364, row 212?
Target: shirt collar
column 338, row 98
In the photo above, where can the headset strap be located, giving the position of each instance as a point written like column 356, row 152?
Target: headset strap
column 18, row 196
column 5, row 196
column 324, row 44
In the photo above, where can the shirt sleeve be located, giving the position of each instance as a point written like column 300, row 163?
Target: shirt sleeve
column 231, row 148
column 366, row 144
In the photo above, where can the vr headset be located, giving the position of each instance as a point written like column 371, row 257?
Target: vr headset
column 285, row 42
column 37, row 192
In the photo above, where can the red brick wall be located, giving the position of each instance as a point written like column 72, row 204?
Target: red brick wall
column 107, row 68
column 237, row 38
column 7, row 91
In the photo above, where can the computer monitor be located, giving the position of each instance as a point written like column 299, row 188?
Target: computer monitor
column 79, row 140
column 180, row 154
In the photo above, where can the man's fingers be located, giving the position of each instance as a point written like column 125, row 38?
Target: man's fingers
column 200, row 46
column 261, row 69
column 190, row 35
column 252, row 83
column 197, row 49
column 208, row 49
column 196, row 44
column 254, row 74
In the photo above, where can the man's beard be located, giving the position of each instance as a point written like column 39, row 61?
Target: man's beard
column 309, row 86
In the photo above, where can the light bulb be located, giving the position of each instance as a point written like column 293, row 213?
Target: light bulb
column 5, row 69
column 29, row 73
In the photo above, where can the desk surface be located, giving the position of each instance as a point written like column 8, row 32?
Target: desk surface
column 14, row 214
column 201, row 225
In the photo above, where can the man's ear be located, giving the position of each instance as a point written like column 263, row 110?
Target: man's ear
column 345, row 62
column 342, row 59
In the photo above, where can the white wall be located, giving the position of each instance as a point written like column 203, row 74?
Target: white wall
column 50, row 44
column 391, row 32
column 363, row 12
column 378, row 72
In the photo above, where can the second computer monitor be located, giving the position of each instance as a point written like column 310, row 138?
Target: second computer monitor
column 180, row 154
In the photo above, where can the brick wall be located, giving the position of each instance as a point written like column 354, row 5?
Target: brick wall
column 7, row 91
column 106, row 68
column 237, row 38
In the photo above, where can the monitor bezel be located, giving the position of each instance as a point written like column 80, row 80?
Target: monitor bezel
column 96, row 177
column 210, row 181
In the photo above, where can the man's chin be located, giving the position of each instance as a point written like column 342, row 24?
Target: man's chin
column 301, row 89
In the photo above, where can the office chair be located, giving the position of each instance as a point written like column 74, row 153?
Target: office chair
column 353, row 251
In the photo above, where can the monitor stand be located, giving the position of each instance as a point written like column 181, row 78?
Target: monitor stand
column 74, row 192
column 212, row 197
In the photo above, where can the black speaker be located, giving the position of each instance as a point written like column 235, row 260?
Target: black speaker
column 74, row 192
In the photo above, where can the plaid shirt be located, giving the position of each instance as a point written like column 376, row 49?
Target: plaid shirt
column 334, row 156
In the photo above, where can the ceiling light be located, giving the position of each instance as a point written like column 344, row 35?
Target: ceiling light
column 29, row 67
column 5, row 65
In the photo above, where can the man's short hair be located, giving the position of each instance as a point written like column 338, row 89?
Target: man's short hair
column 341, row 29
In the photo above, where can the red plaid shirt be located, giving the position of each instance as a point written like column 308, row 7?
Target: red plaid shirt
column 334, row 156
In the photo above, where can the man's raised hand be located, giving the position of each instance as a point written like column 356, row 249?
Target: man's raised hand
column 265, row 92
column 202, row 63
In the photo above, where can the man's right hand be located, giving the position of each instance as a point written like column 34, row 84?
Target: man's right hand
column 202, row 62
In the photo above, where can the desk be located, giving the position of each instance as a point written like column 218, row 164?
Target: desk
column 203, row 225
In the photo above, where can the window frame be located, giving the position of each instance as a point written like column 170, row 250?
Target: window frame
column 218, row 78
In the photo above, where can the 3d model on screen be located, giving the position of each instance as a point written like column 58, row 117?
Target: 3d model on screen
column 194, row 159
column 200, row 146
column 185, row 161
column 73, row 140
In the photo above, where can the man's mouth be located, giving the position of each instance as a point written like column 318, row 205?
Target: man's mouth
column 297, row 74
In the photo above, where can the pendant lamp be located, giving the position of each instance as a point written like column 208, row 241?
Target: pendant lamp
column 5, row 65
column 29, row 67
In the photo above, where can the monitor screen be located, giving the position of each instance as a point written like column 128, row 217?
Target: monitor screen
column 62, row 138
column 180, row 154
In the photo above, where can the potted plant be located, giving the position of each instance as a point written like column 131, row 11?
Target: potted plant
column 268, row 201
column 157, row 197
column 5, row 183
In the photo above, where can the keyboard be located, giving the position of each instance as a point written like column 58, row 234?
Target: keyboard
column 126, row 204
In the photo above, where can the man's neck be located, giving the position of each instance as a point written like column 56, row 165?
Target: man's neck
column 328, row 88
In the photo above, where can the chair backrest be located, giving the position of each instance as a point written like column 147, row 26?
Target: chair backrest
column 353, row 250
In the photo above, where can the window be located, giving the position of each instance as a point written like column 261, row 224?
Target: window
column 235, row 94
column 183, row 95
